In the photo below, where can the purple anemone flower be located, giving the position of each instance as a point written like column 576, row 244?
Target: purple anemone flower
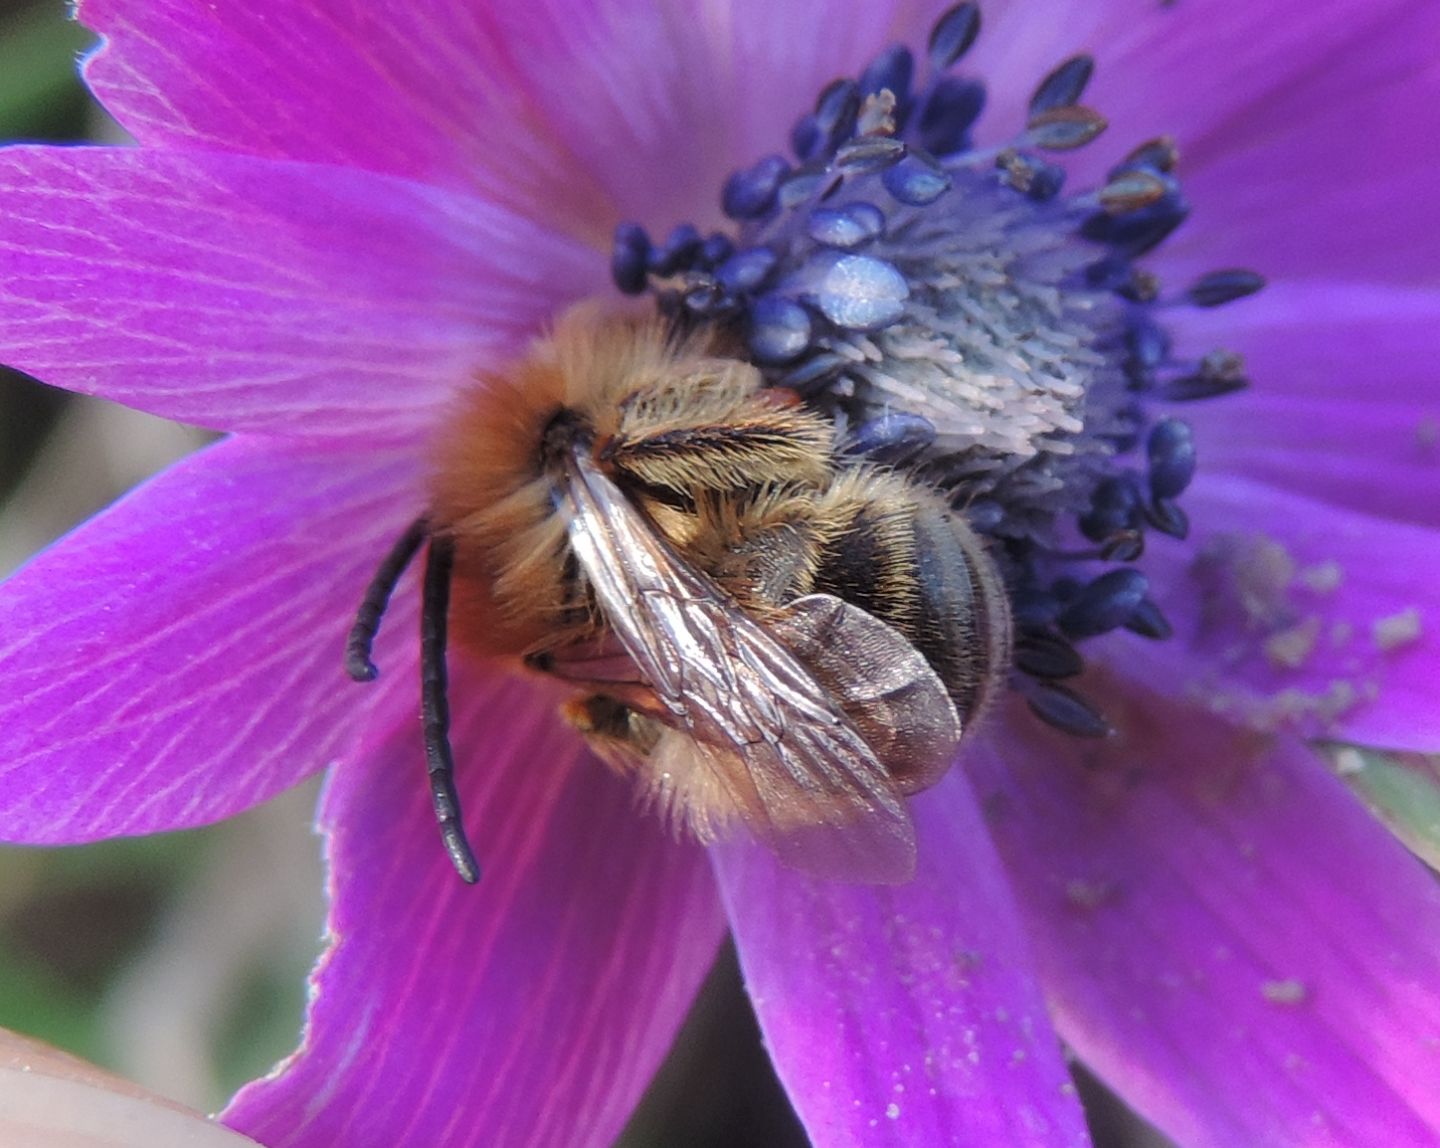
column 340, row 216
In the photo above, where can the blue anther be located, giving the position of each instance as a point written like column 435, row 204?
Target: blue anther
column 716, row 249
column 1136, row 232
column 1158, row 155
column 746, row 270
column 1042, row 654
column 1147, row 342
column 916, row 180
column 1115, row 506
column 779, row 329
column 1066, row 710
column 893, row 436
column 1219, row 287
column 630, row 258
column 749, row 192
column 1109, row 273
column 1064, row 128
column 953, row 35
column 835, row 113
column 891, row 71
column 809, row 184
column 1201, row 384
column 872, row 153
column 678, row 252
column 1149, row 621
column 949, row 111
column 1104, row 604
column 1168, row 518
column 1170, row 450
column 858, row 292
column 1064, row 86
column 846, row 227
column 815, row 373
column 805, row 138
column 704, row 297
column 1037, row 178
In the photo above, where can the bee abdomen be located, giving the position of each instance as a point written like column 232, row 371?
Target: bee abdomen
column 910, row 561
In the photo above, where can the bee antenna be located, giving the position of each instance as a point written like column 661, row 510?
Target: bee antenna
column 377, row 597
column 435, row 706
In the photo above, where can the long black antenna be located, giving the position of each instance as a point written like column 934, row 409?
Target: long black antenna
column 435, row 706
column 377, row 597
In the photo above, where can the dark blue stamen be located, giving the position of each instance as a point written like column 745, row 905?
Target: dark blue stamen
column 1136, row 232
column 1170, row 450
column 749, row 194
column 1063, row 87
column 1123, row 546
column 1167, row 517
column 832, row 122
column 1105, row 604
column 916, row 180
column 953, row 35
column 891, row 71
column 1149, row 621
column 716, row 249
column 809, row 184
column 1159, row 155
column 1037, row 178
column 779, row 329
column 1115, row 506
column 1064, row 128
column 853, row 225
column 746, row 270
column 1042, row 654
column 703, row 296
column 816, row 373
column 1219, row 373
column 1132, row 190
column 1066, row 710
column 1220, row 287
column 950, row 109
column 630, row 258
column 1147, row 342
column 679, row 251
column 893, row 437
column 869, row 154
column 859, row 292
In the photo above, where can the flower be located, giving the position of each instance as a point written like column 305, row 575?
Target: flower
column 337, row 217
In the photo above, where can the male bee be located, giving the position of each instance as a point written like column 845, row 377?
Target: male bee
column 756, row 628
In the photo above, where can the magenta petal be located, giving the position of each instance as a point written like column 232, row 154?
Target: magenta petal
column 178, row 658
column 1225, row 935
column 251, row 295
column 638, row 87
column 1300, row 615
column 530, row 1009
column 1345, row 405
column 904, row 1015
column 422, row 91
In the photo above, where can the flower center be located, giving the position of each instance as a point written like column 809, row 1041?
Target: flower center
column 959, row 314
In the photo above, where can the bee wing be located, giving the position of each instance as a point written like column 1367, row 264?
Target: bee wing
column 884, row 684
column 758, row 736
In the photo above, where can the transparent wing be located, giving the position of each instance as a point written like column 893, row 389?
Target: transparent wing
column 753, row 733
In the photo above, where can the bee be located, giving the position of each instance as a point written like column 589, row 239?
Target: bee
column 755, row 627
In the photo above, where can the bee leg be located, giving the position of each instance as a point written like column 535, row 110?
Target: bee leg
column 435, row 706
column 377, row 597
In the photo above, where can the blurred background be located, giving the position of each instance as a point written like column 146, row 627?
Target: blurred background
column 179, row 961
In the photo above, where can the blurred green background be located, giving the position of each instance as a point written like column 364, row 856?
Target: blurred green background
column 179, row 961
